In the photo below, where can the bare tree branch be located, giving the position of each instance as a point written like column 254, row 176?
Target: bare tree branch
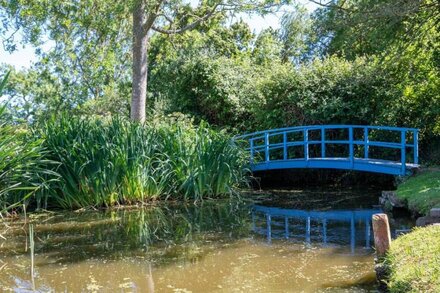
column 189, row 26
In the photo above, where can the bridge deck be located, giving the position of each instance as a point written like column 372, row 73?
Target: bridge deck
column 358, row 164
column 263, row 145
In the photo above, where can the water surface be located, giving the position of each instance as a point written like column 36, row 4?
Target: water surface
column 282, row 242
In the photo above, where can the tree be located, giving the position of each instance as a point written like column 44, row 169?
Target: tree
column 84, row 31
column 352, row 28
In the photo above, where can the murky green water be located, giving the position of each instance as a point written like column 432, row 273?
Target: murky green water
column 285, row 242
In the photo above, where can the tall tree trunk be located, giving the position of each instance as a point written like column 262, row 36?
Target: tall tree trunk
column 140, row 63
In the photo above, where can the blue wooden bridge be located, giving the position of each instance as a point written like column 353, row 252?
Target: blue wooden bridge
column 331, row 226
column 380, row 149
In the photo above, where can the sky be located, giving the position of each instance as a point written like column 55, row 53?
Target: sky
column 25, row 55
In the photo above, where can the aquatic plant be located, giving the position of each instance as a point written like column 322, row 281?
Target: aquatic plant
column 108, row 162
column 23, row 170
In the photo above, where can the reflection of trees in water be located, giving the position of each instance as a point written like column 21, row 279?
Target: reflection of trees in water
column 173, row 229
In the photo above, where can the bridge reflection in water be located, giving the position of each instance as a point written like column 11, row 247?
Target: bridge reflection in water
column 342, row 227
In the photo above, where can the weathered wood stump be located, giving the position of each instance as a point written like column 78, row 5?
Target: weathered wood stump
column 382, row 234
column 382, row 242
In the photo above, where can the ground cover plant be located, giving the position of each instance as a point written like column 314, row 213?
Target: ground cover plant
column 413, row 261
column 421, row 192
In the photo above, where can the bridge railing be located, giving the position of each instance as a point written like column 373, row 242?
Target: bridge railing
column 262, row 144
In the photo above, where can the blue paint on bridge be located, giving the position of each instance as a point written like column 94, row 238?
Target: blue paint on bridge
column 330, row 226
column 289, row 148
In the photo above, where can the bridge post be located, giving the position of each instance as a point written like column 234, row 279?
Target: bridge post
column 266, row 144
column 366, row 141
column 367, row 232
column 324, row 230
column 416, row 146
column 284, row 146
column 308, row 230
column 403, row 150
column 352, row 233
column 306, row 144
column 269, row 228
column 286, row 227
column 322, row 142
column 351, row 146
column 251, row 146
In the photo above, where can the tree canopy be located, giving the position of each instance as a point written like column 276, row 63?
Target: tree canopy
column 366, row 62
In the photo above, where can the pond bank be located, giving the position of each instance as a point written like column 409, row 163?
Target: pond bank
column 413, row 261
column 421, row 192
column 411, row 264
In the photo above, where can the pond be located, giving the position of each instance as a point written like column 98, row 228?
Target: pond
column 282, row 241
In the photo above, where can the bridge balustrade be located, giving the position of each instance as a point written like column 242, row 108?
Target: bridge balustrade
column 293, row 147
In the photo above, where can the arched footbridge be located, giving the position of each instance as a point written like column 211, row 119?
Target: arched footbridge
column 380, row 149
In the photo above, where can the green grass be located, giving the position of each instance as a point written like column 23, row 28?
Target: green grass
column 421, row 192
column 414, row 261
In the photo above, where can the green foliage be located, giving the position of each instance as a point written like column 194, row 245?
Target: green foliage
column 112, row 162
column 331, row 91
column 221, row 91
column 22, row 164
column 413, row 261
column 421, row 192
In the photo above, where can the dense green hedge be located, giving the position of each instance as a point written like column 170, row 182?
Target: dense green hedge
column 242, row 95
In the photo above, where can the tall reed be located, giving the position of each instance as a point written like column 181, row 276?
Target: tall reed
column 23, row 169
column 110, row 162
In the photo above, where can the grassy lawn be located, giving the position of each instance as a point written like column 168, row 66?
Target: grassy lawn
column 422, row 192
column 414, row 261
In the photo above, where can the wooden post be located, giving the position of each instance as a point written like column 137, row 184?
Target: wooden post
column 352, row 234
column 403, row 151
column 367, row 233
column 284, row 146
column 416, row 147
column 351, row 145
column 266, row 144
column 269, row 228
column 366, row 141
column 324, row 231
column 308, row 230
column 251, row 147
column 306, row 144
column 382, row 234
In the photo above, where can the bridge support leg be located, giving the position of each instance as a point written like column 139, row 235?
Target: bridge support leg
column 324, row 231
column 269, row 228
column 403, row 151
column 286, row 227
column 352, row 234
column 367, row 233
column 366, row 141
column 308, row 230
